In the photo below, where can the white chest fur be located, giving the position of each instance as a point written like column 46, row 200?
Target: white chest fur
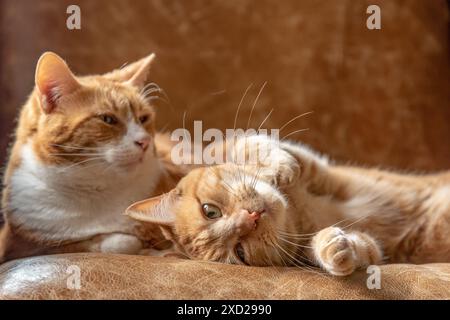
column 79, row 202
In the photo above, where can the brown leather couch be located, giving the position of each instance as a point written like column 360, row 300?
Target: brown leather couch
column 380, row 97
column 123, row 277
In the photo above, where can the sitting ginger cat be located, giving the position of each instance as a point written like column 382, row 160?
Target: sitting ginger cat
column 85, row 148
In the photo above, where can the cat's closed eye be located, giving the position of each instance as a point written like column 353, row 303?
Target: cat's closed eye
column 143, row 119
column 240, row 252
column 211, row 211
column 109, row 119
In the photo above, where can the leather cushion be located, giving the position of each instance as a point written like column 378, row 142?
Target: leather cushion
column 105, row 276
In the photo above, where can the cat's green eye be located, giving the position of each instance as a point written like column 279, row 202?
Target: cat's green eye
column 109, row 119
column 211, row 211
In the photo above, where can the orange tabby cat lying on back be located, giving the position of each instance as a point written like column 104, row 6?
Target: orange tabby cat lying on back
column 295, row 208
column 85, row 147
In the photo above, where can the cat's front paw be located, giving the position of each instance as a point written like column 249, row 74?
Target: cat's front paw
column 287, row 170
column 273, row 162
column 334, row 251
column 280, row 174
column 281, row 167
column 120, row 243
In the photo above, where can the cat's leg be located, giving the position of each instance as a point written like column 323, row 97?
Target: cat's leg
column 340, row 253
column 314, row 168
column 286, row 162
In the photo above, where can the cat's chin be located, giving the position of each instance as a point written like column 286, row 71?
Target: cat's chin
column 129, row 165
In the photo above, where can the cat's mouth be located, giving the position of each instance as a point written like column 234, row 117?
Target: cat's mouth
column 131, row 162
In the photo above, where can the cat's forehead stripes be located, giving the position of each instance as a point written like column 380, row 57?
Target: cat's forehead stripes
column 122, row 102
column 211, row 185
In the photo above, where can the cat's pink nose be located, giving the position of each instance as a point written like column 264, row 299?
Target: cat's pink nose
column 248, row 221
column 255, row 215
column 143, row 143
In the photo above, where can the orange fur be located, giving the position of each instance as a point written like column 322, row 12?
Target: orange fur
column 310, row 212
column 62, row 124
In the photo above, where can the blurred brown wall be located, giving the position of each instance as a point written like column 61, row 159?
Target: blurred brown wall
column 379, row 97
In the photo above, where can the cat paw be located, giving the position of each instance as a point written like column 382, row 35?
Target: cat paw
column 281, row 174
column 286, row 172
column 334, row 251
column 282, row 168
column 121, row 243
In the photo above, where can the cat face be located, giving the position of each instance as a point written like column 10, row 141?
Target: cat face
column 101, row 119
column 222, row 213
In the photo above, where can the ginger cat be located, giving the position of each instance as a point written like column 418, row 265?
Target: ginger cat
column 295, row 208
column 85, row 148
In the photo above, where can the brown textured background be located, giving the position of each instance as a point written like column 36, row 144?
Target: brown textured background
column 379, row 97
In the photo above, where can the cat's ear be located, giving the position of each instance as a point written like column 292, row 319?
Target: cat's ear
column 158, row 210
column 134, row 74
column 53, row 80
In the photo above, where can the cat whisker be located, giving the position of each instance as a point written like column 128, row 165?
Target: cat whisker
column 293, row 259
column 150, row 91
column 295, row 118
column 307, row 236
column 148, row 95
column 255, row 180
column 229, row 190
column 227, row 187
column 267, row 257
column 291, row 238
column 308, row 264
column 184, row 255
column 184, row 125
column 151, row 98
column 166, row 96
column 150, row 85
column 89, row 166
column 265, row 119
column 354, row 222
column 245, row 185
column 293, row 243
column 254, row 104
column 279, row 254
column 76, row 154
column 297, row 235
column 309, row 261
column 294, row 132
column 81, row 162
column 107, row 168
column 252, row 181
column 301, row 265
column 239, row 106
column 76, row 169
column 240, row 172
column 76, row 147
